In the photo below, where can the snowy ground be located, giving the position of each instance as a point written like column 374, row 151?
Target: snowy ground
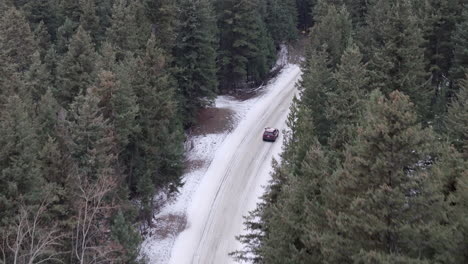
column 192, row 211
column 157, row 248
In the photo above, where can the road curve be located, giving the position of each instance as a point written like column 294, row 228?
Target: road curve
column 236, row 173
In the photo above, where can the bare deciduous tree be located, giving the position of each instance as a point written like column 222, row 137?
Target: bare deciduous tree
column 31, row 238
column 90, row 242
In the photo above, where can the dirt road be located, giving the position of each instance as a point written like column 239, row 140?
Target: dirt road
column 234, row 180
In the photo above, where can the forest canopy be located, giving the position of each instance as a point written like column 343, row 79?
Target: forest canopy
column 96, row 96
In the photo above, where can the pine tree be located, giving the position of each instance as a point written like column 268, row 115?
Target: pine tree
column 37, row 78
column 162, row 14
column 11, row 82
column 77, row 70
column 245, row 46
column 158, row 147
column 118, row 104
column 56, row 167
column 460, row 50
column 47, row 112
column 281, row 20
column 448, row 173
column 127, row 236
column 460, row 216
column 19, row 171
column 195, row 56
column 43, row 12
column 332, row 33
column 380, row 203
column 104, row 13
column 304, row 139
column 289, row 220
column 123, row 32
column 357, row 10
column 305, row 18
column 259, row 66
column 317, row 82
column 92, row 139
column 50, row 62
column 43, row 39
column 445, row 15
column 89, row 21
column 394, row 41
column 64, row 34
column 17, row 43
column 70, row 10
column 457, row 119
column 346, row 100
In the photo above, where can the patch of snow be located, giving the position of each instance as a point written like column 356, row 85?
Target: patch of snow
column 157, row 249
column 282, row 58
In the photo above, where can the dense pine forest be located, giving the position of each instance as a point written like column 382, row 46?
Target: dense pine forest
column 375, row 164
column 95, row 97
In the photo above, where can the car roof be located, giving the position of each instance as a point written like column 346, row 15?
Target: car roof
column 269, row 129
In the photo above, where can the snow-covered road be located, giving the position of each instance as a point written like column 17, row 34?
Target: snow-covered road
column 235, row 179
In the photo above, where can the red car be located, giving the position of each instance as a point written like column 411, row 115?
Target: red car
column 270, row 134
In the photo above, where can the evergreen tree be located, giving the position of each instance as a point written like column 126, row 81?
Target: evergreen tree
column 289, row 220
column 317, row 81
column 332, row 33
column 70, row 9
column 47, row 112
column 123, row 32
column 457, row 119
column 127, row 236
column 162, row 14
column 50, row 62
column 380, row 203
column 460, row 216
column 20, row 178
column 56, row 166
column 64, row 35
column 42, row 37
column 37, row 78
column 118, row 104
column 158, row 147
column 449, row 172
column 445, row 15
column 77, row 70
column 43, row 12
column 89, row 21
column 260, row 65
column 460, row 50
column 104, row 13
column 92, row 139
column 195, row 56
column 11, row 82
column 346, row 100
column 305, row 18
column 300, row 137
column 17, row 43
column 393, row 40
column 281, row 20
column 357, row 10
column 246, row 48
